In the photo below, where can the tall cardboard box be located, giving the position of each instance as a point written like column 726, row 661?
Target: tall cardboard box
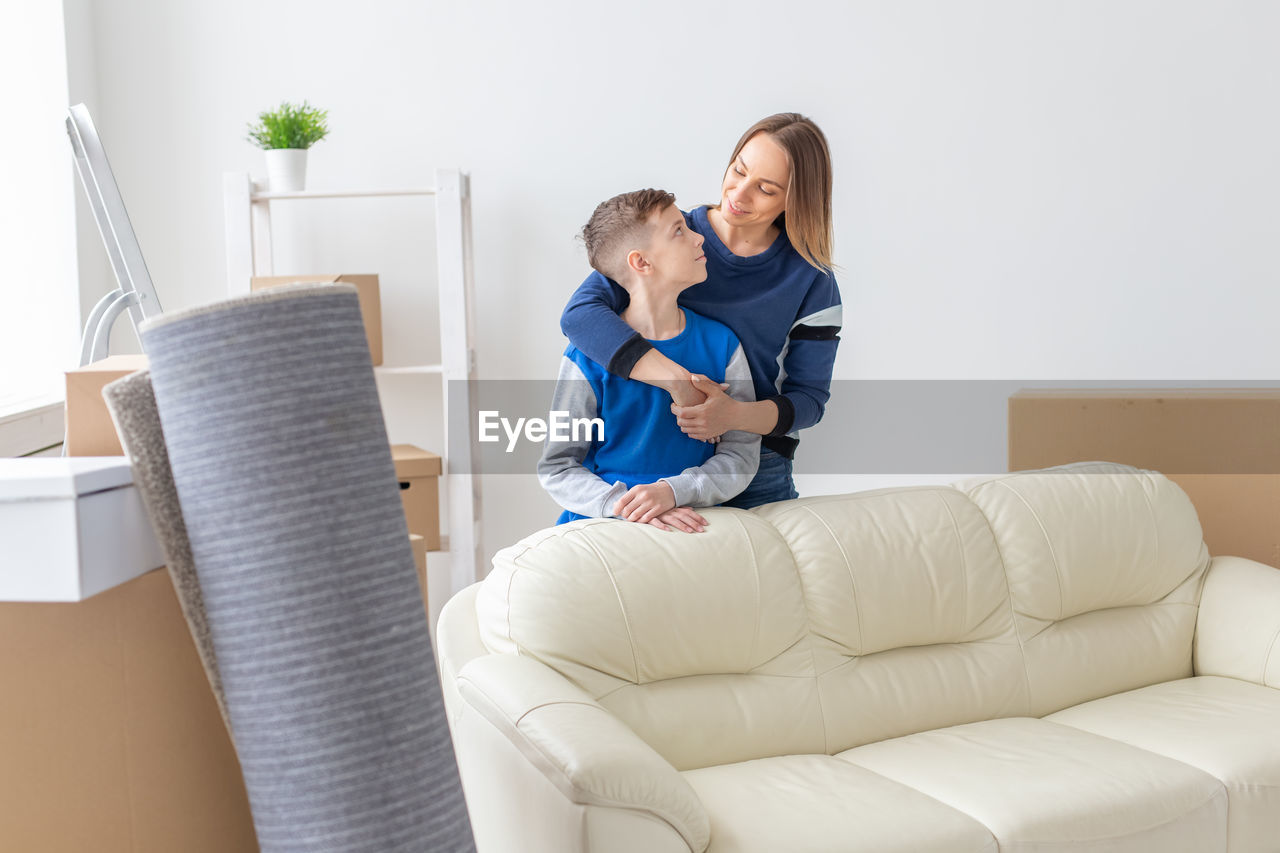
column 366, row 291
column 110, row 735
column 1221, row 446
column 418, row 471
column 90, row 431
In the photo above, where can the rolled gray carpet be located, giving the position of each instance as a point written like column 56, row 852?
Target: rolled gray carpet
column 133, row 409
column 292, row 507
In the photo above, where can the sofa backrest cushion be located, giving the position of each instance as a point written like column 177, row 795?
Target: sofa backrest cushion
column 909, row 612
column 699, row 642
column 1104, row 564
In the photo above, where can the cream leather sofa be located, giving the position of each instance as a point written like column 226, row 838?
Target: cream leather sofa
column 1044, row 661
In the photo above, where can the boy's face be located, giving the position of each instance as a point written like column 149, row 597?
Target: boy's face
column 675, row 251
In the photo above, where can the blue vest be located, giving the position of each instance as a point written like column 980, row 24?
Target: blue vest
column 642, row 442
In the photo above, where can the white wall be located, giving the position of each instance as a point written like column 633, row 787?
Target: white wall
column 1023, row 189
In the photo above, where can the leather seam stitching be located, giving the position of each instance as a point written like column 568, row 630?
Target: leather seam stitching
column 1066, row 845
column 964, row 563
column 755, row 569
column 1155, row 529
column 1057, row 570
column 626, row 620
column 554, row 703
column 813, row 654
column 1013, row 612
column 853, row 583
column 808, row 635
column 1222, row 786
column 1266, row 663
column 515, row 568
column 848, row 659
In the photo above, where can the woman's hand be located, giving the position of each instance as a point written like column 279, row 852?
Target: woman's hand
column 645, row 503
column 711, row 419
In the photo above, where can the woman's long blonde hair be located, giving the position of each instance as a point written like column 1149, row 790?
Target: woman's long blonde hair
column 807, row 219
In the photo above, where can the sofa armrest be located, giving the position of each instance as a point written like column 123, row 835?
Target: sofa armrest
column 591, row 756
column 1238, row 627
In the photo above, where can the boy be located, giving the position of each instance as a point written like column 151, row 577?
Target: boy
column 643, row 468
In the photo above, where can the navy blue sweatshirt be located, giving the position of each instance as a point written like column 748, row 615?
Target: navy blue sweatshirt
column 785, row 312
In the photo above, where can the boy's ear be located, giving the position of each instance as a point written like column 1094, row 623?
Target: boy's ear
column 638, row 263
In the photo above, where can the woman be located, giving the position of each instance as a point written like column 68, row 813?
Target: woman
column 768, row 248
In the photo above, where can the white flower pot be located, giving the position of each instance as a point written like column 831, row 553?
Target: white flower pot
column 286, row 169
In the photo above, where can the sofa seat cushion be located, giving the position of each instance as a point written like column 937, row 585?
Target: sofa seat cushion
column 1227, row 728
column 1039, row 785
column 812, row 803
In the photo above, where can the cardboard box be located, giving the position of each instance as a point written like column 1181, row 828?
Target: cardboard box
column 419, row 475
column 111, row 737
column 419, row 546
column 366, row 291
column 90, row 431
column 1221, row 447
column 71, row 528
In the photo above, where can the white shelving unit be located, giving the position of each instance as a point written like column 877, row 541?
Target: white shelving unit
column 247, row 207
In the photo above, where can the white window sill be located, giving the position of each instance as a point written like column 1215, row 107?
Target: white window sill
column 31, row 425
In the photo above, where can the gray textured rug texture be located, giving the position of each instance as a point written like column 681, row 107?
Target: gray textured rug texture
column 291, row 505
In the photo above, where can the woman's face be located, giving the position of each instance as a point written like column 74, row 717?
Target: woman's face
column 755, row 184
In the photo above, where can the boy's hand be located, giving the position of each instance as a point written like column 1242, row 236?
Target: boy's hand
column 710, row 420
column 681, row 518
column 645, row 503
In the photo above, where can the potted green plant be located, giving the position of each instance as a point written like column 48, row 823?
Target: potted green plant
column 285, row 134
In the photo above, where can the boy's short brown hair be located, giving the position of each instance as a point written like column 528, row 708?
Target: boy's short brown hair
column 618, row 226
